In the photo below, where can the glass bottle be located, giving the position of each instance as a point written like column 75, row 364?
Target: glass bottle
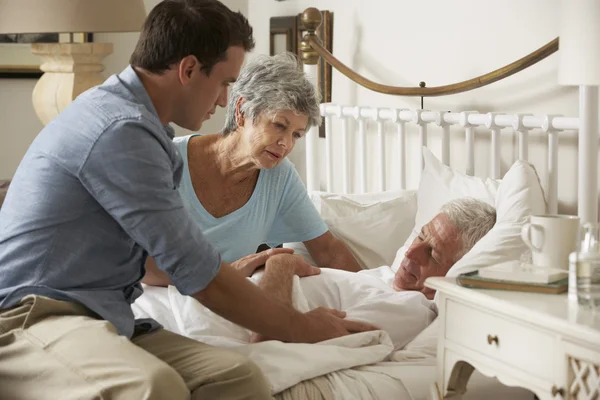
column 586, row 269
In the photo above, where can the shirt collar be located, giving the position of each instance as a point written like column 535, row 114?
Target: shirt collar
column 131, row 79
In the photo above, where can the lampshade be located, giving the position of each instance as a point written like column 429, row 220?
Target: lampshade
column 64, row 16
column 579, row 42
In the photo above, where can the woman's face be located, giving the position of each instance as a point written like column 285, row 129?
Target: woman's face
column 271, row 138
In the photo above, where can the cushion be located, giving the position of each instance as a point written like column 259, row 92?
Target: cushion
column 371, row 225
column 518, row 195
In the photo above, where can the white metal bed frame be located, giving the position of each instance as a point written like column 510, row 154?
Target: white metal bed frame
column 586, row 125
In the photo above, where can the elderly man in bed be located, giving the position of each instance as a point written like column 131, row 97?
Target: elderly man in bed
column 397, row 302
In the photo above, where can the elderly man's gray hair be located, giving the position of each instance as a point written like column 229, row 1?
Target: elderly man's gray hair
column 472, row 218
column 269, row 84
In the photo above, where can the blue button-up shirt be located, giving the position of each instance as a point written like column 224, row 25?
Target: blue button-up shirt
column 95, row 194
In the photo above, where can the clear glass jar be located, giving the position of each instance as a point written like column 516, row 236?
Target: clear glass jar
column 588, row 280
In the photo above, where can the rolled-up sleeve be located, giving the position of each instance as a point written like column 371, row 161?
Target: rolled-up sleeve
column 134, row 172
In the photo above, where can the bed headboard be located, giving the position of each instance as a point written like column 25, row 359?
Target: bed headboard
column 344, row 123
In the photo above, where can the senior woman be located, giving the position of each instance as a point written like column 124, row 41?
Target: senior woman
column 239, row 186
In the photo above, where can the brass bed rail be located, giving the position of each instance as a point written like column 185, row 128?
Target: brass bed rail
column 311, row 49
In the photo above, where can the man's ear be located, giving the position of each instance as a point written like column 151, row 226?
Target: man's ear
column 240, row 119
column 188, row 67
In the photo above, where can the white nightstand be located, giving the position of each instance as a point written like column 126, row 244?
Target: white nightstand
column 540, row 342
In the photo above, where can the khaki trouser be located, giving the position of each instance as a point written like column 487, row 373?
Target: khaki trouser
column 58, row 350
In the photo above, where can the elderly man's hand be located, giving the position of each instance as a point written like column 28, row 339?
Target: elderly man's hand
column 247, row 265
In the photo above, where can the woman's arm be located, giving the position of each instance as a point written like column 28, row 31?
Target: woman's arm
column 328, row 251
column 245, row 265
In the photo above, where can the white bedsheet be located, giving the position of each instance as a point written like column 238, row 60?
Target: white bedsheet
column 363, row 296
column 408, row 376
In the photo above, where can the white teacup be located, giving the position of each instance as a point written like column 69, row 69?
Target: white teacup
column 551, row 239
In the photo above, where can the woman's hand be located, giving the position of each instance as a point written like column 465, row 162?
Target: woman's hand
column 247, row 265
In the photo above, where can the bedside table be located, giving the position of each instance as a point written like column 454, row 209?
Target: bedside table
column 540, row 342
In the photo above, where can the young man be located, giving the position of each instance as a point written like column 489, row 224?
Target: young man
column 94, row 195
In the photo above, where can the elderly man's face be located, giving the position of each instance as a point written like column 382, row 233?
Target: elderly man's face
column 432, row 253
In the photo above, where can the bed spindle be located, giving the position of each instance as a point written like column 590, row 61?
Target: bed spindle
column 469, row 141
column 312, row 157
column 345, row 151
column 439, row 120
column 552, row 188
column 380, row 150
column 401, row 137
column 523, row 145
column 329, row 153
column 362, row 150
column 490, row 123
column 418, row 120
column 523, row 135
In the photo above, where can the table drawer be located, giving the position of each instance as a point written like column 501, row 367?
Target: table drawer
column 515, row 343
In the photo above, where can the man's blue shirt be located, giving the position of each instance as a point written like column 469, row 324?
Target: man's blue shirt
column 94, row 195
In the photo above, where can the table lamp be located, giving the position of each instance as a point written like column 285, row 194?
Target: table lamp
column 579, row 65
column 69, row 68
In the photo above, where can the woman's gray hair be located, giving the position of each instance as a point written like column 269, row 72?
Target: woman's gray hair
column 472, row 218
column 269, row 84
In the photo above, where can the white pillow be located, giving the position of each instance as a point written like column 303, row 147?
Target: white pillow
column 439, row 184
column 371, row 225
column 520, row 194
column 516, row 196
column 365, row 199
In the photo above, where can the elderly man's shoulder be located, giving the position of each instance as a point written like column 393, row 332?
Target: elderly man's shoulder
column 383, row 274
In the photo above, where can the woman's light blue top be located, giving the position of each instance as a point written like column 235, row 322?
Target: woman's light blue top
column 279, row 211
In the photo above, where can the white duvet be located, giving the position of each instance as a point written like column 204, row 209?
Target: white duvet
column 365, row 296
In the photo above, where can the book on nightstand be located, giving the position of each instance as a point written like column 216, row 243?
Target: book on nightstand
column 476, row 281
column 516, row 271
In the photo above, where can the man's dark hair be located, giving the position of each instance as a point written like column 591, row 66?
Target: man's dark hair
column 175, row 29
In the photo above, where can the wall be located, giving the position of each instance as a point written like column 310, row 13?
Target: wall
column 18, row 122
column 403, row 42
column 400, row 42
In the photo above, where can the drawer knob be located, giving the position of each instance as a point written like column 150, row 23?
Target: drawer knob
column 492, row 339
column 557, row 390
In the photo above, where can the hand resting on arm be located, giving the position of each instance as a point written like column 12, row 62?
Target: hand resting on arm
column 245, row 265
column 277, row 281
column 233, row 297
